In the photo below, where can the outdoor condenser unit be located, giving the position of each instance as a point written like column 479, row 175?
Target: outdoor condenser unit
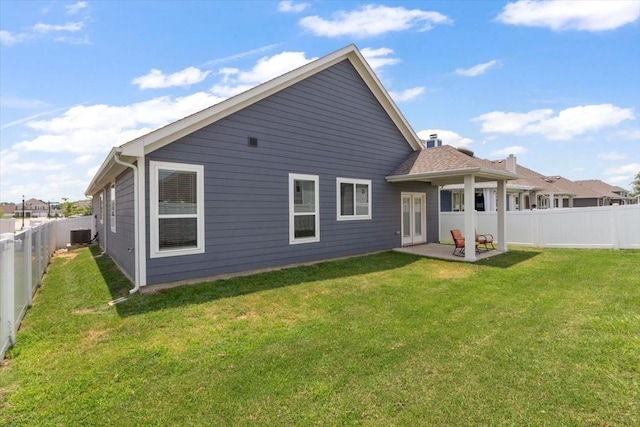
column 80, row 236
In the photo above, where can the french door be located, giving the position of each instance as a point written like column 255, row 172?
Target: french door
column 414, row 219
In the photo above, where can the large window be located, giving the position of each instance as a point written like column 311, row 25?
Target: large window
column 354, row 198
column 176, row 208
column 304, row 218
column 112, row 207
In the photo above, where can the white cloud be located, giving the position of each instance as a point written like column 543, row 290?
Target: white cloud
column 8, row 38
column 71, row 27
column 613, row 155
column 628, row 169
column 501, row 122
column 514, row 149
column 289, row 6
column 448, row 137
column 84, row 159
column 372, row 20
column 267, row 68
column 75, row 8
column 407, row 94
column 565, row 125
column 476, row 70
column 89, row 130
column 588, row 15
column 622, row 179
column 626, row 134
column 378, row 58
column 157, row 79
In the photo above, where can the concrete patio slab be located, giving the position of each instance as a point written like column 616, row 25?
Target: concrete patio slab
column 437, row 251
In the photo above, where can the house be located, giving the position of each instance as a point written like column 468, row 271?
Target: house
column 315, row 164
column 606, row 194
column 34, row 208
column 533, row 188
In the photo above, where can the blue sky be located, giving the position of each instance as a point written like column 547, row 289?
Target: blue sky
column 555, row 83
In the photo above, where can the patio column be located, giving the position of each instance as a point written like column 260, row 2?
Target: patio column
column 502, row 216
column 469, row 218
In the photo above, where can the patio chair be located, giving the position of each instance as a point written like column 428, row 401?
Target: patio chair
column 458, row 243
column 485, row 239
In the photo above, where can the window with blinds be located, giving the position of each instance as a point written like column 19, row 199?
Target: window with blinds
column 177, row 209
column 304, row 222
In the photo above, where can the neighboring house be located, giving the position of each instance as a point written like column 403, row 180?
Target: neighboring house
column 34, row 208
column 315, row 164
column 533, row 188
column 8, row 208
column 607, row 194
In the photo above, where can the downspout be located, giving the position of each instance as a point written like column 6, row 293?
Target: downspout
column 116, row 158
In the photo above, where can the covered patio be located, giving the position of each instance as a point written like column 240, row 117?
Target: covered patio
column 444, row 165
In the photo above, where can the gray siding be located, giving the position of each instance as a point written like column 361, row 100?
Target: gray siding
column 121, row 244
column 580, row 203
column 328, row 125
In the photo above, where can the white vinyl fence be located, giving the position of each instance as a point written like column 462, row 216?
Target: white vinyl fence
column 614, row 227
column 24, row 257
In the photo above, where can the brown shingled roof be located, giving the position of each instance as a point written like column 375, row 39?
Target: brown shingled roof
column 446, row 163
column 602, row 188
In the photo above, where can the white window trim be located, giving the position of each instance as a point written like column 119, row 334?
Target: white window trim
column 154, row 216
column 112, row 207
column 353, row 217
column 292, row 178
column 101, row 203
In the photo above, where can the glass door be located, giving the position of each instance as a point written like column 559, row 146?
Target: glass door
column 413, row 219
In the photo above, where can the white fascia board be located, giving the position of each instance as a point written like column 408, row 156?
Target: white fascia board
column 486, row 174
column 489, row 184
column 96, row 183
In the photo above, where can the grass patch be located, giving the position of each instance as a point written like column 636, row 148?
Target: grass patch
column 530, row 337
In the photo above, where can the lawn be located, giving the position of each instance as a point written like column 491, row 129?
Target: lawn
column 530, row 337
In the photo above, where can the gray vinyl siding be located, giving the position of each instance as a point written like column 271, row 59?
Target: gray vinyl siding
column 329, row 125
column 121, row 244
column 581, row 203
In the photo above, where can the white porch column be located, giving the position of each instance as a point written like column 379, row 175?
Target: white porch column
column 570, row 201
column 469, row 218
column 502, row 209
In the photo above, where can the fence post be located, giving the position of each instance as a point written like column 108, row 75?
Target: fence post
column 7, row 289
column 615, row 222
column 27, row 244
column 535, row 227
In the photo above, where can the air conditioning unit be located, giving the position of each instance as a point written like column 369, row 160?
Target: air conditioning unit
column 80, row 236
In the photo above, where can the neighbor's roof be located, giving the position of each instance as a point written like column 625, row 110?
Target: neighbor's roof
column 540, row 183
column 603, row 188
column 447, row 165
column 178, row 129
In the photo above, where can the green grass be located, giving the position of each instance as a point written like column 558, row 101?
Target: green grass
column 530, row 337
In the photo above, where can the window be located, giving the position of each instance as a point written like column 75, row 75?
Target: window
column 458, row 201
column 354, row 198
column 112, row 207
column 304, row 218
column 176, row 209
column 101, row 207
